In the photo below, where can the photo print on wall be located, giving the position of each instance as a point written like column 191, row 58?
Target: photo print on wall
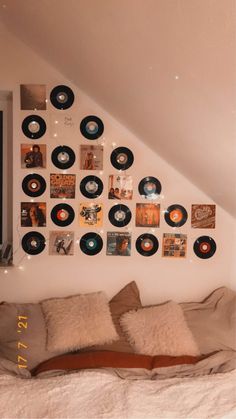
column 120, row 187
column 62, row 126
column 33, row 97
column 118, row 244
column 33, row 155
column 62, row 186
column 174, row 245
column 203, row 216
column 91, row 157
column 61, row 243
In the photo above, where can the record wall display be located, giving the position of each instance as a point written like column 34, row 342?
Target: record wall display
column 62, row 97
column 122, row 158
column 91, row 127
column 149, row 187
column 91, row 244
column 62, row 215
column 204, row 247
column 120, row 215
column 176, row 215
column 33, row 243
column 91, row 187
column 147, row 244
column 34, row 127
column 63, row 157
column 33, row 185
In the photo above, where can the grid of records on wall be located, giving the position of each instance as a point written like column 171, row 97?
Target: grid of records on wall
column 112, row 230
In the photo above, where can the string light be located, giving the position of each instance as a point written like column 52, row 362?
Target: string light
column 5, row 271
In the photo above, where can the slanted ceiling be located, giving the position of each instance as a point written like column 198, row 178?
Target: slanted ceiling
column 166, row 69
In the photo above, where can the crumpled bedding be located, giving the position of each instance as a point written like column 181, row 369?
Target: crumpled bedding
column 100, row 394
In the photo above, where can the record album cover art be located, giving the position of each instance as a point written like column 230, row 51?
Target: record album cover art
column 91, row 157
column 120, row 187
column 33, row 97
column 174, row 245
column 62, row 126
column 147, row 215
column 118, row 244
column 203, row 216
column 33, row 214
column 90, row 214
column 61, row 243
column 33, row 155
column 62, row 186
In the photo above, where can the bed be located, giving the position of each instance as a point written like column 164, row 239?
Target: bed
column 70, row 374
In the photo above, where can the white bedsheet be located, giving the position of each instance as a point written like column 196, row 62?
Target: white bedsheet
column 96, row 394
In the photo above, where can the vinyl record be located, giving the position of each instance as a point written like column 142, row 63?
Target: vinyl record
column 34, row 127
column 33, row 185
column 33, row 243
column 63, row 157
column 204, row 247
column 91, row 187
column 91, row 244
column 119, row 215
column 147, row 244
column 62, row 97
column 176, row 215
column 62, row 215
column 149, row 187
column 91, row 127
column 122, row 158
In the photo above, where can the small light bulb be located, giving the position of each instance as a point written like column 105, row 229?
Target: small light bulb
column 46, row 100
column 113, row 144
column 101, row 231
column 77, row 241
column 55, row 134
column 5, row 271
column 101, row 172
column 176, row 77
column 29, row 257
column 32, row 200
column 56, row 122
column 21, row 268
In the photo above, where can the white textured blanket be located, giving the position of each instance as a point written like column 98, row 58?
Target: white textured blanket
column 96, row 394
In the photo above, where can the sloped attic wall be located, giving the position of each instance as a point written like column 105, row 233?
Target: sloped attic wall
column 158, row 278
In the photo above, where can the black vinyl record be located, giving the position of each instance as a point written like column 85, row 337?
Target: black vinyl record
column 33, row 243
column 149, row 187
column 122, row 158
column 34, row 127
column 91, row 186
column 176, row 215
column 33, row 185
column 147, row 244
column 62, row 97
column 204, row 247
column 63, row 157
column 120, row 215
column 91, row 244
column 62, row 215
column 91, row 127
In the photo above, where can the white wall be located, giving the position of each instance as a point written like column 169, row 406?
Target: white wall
column 158, row 278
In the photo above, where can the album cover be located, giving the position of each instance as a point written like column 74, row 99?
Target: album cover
column 62, row 126
column 174, row 245
column 203, row 216
column 33, row 156
column 118, row 244
column 62, row 186
column 33, row 97
column 33, row 214
column 91, row 157
column 90, row 214
column 61, row 243
column 120, row 187
column 147, row 215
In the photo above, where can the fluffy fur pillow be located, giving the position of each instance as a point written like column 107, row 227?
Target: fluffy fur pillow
column 159, row 330
column 78, row 321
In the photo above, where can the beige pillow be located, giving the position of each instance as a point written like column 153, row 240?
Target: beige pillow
column 213, row 321
column 34, row 336
column 159, row 330
column 78, row 321
column 126, row 299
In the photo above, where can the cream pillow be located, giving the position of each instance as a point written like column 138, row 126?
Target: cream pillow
column 78, row 321
column 159, row 330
